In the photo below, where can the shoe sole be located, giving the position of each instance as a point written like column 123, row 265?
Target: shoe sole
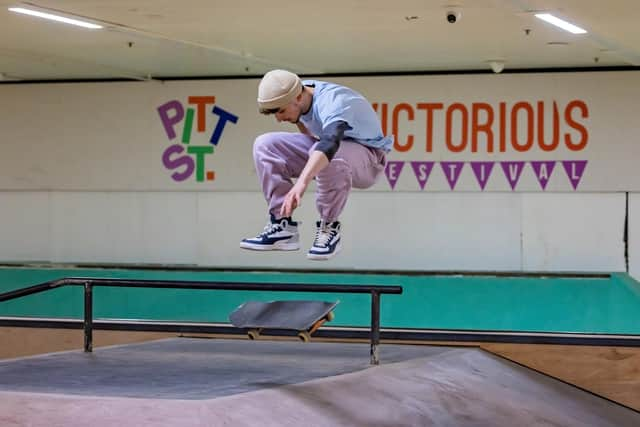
column 275, row 247
column 325, row 257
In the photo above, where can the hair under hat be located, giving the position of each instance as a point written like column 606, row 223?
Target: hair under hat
column 277, row 88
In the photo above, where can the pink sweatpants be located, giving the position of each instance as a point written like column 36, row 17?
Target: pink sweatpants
column 281, row 156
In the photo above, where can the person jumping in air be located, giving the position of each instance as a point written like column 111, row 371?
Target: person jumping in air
column 339, row 143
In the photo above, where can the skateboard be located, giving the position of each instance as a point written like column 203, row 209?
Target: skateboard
column 305, row 317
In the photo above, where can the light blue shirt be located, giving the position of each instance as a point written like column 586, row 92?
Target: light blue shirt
column 332, row 103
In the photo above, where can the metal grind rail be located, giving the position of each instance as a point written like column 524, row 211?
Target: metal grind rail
column 89, row 282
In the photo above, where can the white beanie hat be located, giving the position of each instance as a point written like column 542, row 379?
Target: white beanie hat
column 277, row 88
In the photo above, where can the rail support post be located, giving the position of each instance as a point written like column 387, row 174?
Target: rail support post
column 375, row 327
column 88, row 317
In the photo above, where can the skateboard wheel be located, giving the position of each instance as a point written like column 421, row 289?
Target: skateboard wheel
column 330, row 316
column 304, row 336
column 253, row 334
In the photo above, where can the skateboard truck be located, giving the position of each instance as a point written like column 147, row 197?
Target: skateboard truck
column 304, row 335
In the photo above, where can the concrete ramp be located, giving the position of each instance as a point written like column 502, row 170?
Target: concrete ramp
column 428, row 386
column 458, row 388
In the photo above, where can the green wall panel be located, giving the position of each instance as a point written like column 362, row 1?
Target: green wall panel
column 484, row 303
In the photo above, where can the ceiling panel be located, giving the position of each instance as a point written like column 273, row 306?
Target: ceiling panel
column 161, row 39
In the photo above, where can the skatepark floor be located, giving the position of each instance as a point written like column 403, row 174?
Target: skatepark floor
column 213, row 382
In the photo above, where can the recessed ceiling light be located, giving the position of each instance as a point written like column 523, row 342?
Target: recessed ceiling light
column 56, row 18
column 560, row 23
column 497, row 65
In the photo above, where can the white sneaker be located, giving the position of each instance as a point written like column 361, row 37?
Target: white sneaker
column 327, row 242
column 278, row 235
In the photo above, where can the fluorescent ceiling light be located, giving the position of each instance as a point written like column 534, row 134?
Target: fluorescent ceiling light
column 560, row 23
column 55, row 18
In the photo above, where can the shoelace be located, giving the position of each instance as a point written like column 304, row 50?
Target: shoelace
column 323, row 235
column 270, row 228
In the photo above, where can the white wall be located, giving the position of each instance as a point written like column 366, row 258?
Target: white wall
column 82, row 181
column 439, row 231
column 25, row 226
column 573, row 232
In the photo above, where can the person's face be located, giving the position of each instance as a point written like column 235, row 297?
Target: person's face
column 291, row 112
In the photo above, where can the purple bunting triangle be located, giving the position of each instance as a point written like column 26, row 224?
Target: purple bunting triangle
column 512, row 170
column 393, row 170
column 422, row 170
column 482, row 171
column 452, row 172
column 574, row 169
column 543, row 170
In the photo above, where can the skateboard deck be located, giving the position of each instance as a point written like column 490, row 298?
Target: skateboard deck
column 302, row 316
